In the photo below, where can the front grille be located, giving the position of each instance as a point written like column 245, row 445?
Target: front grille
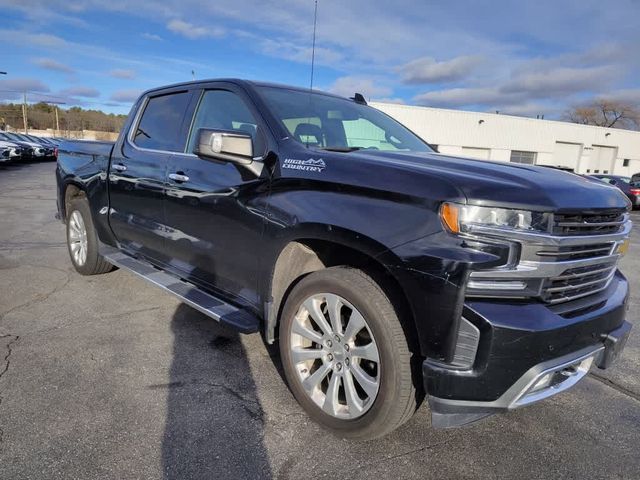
column 578, row 282
column 568, row 267
column 588, row 224
column 575, row 252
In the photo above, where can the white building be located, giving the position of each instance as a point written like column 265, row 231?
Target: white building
column 490, row 136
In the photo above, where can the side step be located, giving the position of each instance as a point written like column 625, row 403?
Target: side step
column 241, row 320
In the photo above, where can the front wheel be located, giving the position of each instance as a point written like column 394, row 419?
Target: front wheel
column 345, row 354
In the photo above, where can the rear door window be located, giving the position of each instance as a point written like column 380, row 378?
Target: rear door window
column 160, row 127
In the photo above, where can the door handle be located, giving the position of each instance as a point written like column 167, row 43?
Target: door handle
column 119, row 167
column 178, row 177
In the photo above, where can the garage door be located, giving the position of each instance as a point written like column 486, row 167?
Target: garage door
column 567, row 154
column 473, row 152
column 602, row 159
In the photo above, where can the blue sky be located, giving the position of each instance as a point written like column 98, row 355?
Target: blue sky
column 524, row 58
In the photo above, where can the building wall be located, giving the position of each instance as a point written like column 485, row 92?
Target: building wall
column 492, row 136
column 73, row 134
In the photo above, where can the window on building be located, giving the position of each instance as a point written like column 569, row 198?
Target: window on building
column 605, row 171
column 588, row 170
column 159, row 128
column 625, row 162
column 596, row 171
column 519, row 156
column 475, row 152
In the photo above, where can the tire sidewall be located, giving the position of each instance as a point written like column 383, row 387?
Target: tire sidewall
column 82, row 207
column 327, row 281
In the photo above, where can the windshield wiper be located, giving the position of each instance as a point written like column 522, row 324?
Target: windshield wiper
column 341, row 149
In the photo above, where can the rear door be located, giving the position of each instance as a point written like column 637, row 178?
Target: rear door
column 138, row 172
column 213, row 207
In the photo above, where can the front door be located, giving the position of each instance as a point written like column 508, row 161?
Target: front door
column 138, row 171
column 213, row 207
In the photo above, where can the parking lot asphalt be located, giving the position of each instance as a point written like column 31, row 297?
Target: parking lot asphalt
column 108, row 377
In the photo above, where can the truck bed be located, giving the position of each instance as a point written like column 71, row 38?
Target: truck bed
column 86, row 147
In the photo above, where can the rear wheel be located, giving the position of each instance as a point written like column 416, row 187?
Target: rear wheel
column 345, row 354
column 82, row 240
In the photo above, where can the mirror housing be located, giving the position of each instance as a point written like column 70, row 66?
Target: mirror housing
column 227, row 145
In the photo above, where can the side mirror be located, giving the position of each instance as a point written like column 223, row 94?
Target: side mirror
column 227, row 145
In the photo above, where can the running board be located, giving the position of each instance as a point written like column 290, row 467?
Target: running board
column 212, row 306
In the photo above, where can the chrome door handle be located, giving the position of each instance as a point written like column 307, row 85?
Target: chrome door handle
column 119, row 167
column 178, row 177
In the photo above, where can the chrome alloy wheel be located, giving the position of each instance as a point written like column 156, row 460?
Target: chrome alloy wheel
column 77, row 238
column 335, row 356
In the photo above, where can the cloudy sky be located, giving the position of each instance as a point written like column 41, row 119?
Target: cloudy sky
column 517, row 57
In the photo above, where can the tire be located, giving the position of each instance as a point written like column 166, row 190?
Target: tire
column 370, row 415
column 82, row 240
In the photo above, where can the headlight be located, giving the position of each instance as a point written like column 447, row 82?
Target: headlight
column 462, row 218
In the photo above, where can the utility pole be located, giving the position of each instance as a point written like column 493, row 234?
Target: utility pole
column 24, row 113
column 57, row 123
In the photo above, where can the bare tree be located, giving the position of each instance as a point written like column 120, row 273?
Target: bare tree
column 606, row 113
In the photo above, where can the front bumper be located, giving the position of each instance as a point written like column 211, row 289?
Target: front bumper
column 520, row 344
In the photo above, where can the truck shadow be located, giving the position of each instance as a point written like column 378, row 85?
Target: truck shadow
column 215, row 423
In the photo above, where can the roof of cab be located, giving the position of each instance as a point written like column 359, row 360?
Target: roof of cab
column 237, row 81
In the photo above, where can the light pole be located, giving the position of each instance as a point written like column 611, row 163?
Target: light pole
column 55, row 104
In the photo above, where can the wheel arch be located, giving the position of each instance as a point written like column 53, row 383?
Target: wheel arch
column 71, row 190
column 305, row 254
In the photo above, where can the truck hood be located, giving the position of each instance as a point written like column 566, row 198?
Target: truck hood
column 489, row 183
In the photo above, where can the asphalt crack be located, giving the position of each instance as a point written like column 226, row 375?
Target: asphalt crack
column 615, row 386
column 5, row 369
column 40, row 297
column 258, row 414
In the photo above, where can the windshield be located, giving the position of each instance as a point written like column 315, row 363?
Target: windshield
column 333, row 123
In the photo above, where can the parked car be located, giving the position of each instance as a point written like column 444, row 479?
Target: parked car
column 384, row 271
column 629, row 188
column 39, row 143
column 30, row 150
column 10, row 151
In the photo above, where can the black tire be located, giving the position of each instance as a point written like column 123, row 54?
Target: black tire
column 395, row 402
column 95, row 264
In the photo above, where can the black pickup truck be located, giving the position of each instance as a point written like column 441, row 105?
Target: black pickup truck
column 388, row 273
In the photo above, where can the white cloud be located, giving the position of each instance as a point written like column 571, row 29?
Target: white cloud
column 85, row 92
column 459, row 97
column 122, row 73
column 428, row 70
column 629, row 95
column 50, row 64
column 298, row 53
column 347, row 86
column 396, row 100
column 13, row 88
column 560, row 81
column 21, row 37
column 151, row 36
column 192, row 31
column 125, row 96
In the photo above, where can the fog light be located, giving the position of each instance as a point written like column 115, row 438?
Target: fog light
column 543, row 383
